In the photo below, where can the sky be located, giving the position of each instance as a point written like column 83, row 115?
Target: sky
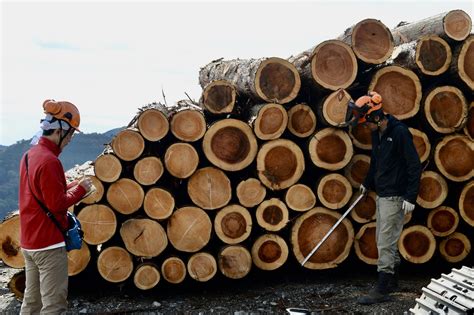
column 111, row 57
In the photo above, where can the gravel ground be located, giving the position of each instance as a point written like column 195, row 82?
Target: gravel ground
column 320, row 292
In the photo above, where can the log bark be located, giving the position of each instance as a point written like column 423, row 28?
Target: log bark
column 370, row 40
column 280, row 164
column 300, row 197
column 417, row 244
column 334, row 191
column 469, row 127
column 445, row 109
column 466, row 203
column 454, row 157
column 269, row 252
column 331, row 149
column 153, row 124
column 17, row 284
column 389, row 82
column 78, row 259
column 158, row 203
column 148, row 170
column 250, row 192
column 128, row 145
column 234, row 261
column 453, row 25
column 209, row 188
column 233, row 224
column 146, row 276
column 115, row 264
column 463, row 60
column 181, row 160
column 173, row 270
column 144, row 237
column 433, row 190
column 189, row 229
column 301, row 120
column 357, row 169
column 455, row 247
column 422, row 144
column 202, row 267
column 219, row 97
column 308, row 231
column 107, row 168
column 268, row 121
column 187, row 122
column 96, row 194
column 230, row 144
column 10, row 250
column 98, row 222
column 361, row 136
column 272, row 215
column 442, row 221
column 125, row 196
column 332, row 111
column 365, row 244
column 273, row 80
column 364, row 211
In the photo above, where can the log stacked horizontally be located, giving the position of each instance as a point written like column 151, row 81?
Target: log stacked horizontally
column 259, row 170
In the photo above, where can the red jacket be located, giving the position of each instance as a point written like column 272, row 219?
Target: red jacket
column 48, row 183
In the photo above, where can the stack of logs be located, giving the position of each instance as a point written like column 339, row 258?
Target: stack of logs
column 259, row 164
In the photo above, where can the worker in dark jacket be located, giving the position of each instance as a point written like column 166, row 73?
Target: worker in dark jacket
column 394, row 174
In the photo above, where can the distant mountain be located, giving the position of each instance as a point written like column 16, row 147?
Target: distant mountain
column 83, row 147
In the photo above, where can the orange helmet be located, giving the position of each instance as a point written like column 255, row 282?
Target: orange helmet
column 64, row 111
column 366, row 108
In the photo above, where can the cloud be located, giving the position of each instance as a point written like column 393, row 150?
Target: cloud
column 56, row 45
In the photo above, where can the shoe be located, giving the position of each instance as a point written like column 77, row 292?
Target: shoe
column 380, row 293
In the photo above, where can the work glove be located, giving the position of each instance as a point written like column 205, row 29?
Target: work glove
column 363, row 190
column 407, row 207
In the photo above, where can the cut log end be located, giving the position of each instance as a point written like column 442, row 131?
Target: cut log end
column 251, row 192
column 442, row 221
column 301, row 120
column 454, row 157
column 202, row 267
column 433, row 190
column 455, row 247
column 269, row 252
column 331, row 149
column 148, row 170
column 115, row 264
column 125, row 196
column 335, row 106
column 153, row 125
column 372, row 41
column 219, row 97
column 417, row 244
column 357, row 169
column 364, row 211
column 233, row 224
column 189, row 229
column 188, row 125
column 146, row 276
column 433, row 55
column 78, row 259
column 271, row 122
column 158, row 203
column 98, row 222
column 457, row 25
column 272, row 215
column 17, row 284
column 181, row 160
column 144, row 237
column 422, row 144
column 173, row 270
column 10, row 251
column 361, row 136
column 466, row 203
column 234, row 261
column 334, row 191
column 465, row 62
column 209, row 188
column 107, row 168
column 300, row 197
column 98, row 192
column 128, row 145
column 365, row 245
column 469, row 127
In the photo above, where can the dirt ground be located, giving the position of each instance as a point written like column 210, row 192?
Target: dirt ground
column 320, row 292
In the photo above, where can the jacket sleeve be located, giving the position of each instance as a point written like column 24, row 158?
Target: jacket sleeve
column 369, row 182
column 413, row 165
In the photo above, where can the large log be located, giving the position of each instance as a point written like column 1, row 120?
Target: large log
column 219, row 97
column 454, row 157
column 189, row 229
column 357, row 169
column 144, row 237
column 300, row 197
column 466, row 203
column 10, row 250
column 280, row 164
column 233, row 224
column 158, row 203
column 125, row 196
column 209, row 188
column 269, row 252
column 153, row 124
column 273, row 80
column 148, row 170
column 173, row 270
column 422, row 144
column 234, row 261
column 334, row 191
column 365, row 244
column 187, row 122
column 268, row 121
column 250, row 192
column 455, row 247
column 97, row 193
column 115, row 264
column 202, row 267
column 442, row 221
column 364, row 211
column 310, row 228
column 128, row 144
column 272, row 215
column 417, row 244
column 230, row 144
column 146, row 276
column 107, row 167
column 98, row 222
column 463, row 60
column 78, row 259
column 433, row 190
column 332, row 111
column 301, row 120
column 331, row 149
column 181, row 160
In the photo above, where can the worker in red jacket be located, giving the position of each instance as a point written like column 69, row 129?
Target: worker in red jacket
column 43, row 185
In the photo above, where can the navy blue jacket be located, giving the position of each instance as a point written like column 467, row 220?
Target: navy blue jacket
column 395, row 167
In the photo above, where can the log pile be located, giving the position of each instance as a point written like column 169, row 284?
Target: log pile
column 257, row 171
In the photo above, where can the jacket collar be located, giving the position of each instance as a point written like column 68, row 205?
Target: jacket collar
column 50, row 145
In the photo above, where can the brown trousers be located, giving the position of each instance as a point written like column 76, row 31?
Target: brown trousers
column 46, row 282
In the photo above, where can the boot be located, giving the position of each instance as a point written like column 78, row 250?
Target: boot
column 380, row 293
column 393, row 284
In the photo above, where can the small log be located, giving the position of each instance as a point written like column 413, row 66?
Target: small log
column 209, row 188
column 361, row 136
column 153, row 124
column 17, row 284
column 218, row 97
column 389, row 81
column 146, row 276
column 10, row 251
column 455, row 247
column 269, row 252
column 250, row 192
column 310, row 228
column 181, row 160
column 273, row 80
column 158, row 203
column 125, row 196
column 417, row 244
column 469, row 127
column 357, row 169
column 422, row 144
column 272, row 215
column 371, row 41
column 268, row 121
column 148, row 170
column 97, row 194
column 433, row 190
column 463, row 59
column 230, row 144
column 115, row 264
column 332, row 111
column 334, row 191
column 280, row 164
column 445, row 109
column 173, row 270
column 442, row 221
column 466, row 203
column 234, row 261
column 452, row 25
column 187, row 122
column 454, row 157
column 233, row 224
column 144, row 237
column 300, row 197
column 301, row 120
column 128, row 145
column 331, row 149
column 78, row 259
column 189, row 229
column 98, row 222
column 364, row 211
column 365, row 244
column 202, row 267
column 107, row 168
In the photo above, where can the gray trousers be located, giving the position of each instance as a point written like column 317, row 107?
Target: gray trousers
column 46, row 282
column 389, row 226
